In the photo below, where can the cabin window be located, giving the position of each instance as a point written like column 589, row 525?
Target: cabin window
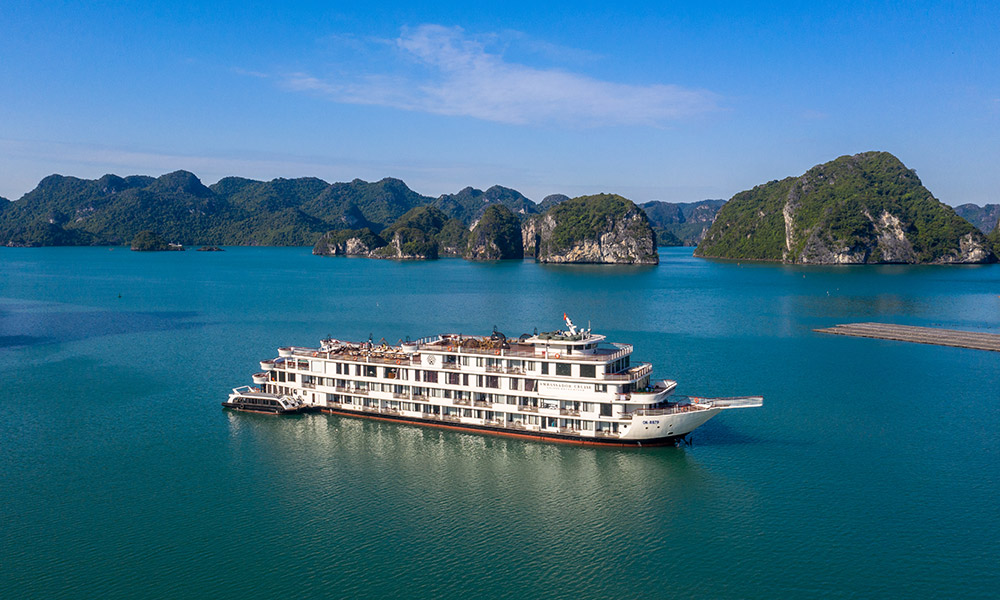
column 545, row 368
column 465, row 361
column 529, row 385
column 281, row 376
column 291, row 377
column 605, row 409
column 515, row 383
column 370, row 371
column 430, row 376
column 479, row 362
column 492, row 381
column 588, row 371
column 600, row 387
column 454, row 378
column 564, row 369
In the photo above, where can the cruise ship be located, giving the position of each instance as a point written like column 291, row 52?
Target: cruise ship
column 567, row 386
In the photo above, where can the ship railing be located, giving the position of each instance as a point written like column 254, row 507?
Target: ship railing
column 605, row 433
column 482, row 404
column 400, row 396
column 462, row 402
column 452, row 418
column 728, row 402
column 623, row 349
column 667, row 410
column 496, row 352
column 309, row 385
column 454, row 366
column 421, row 398
column 636, row 372
column 569, row 412
column 527, row 408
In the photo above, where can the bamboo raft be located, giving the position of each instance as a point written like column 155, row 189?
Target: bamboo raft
column 919, row 335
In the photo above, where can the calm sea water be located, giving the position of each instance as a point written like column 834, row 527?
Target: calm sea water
column 873, row 470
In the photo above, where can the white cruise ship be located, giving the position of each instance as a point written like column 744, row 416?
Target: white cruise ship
column 566, row 386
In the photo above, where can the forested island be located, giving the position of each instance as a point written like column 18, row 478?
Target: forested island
column 866, row 208
column 590, row 229
column 383, row 219
column 856, row 209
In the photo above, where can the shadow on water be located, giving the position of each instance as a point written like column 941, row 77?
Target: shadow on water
column 344, row 439
column 26, row 325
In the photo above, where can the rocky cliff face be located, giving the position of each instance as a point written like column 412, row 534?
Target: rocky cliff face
column 348, row 242
column 866, row 208
column 497, row 236
column 592, row 229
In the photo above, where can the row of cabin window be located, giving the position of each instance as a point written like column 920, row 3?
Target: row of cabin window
column 604, row 408
column 489, row 415
column 483, row 381
column 561, row 369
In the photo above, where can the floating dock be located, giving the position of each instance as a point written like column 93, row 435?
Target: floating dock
column 919, row 335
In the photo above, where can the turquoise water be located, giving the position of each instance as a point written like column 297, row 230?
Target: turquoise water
column 873, row 470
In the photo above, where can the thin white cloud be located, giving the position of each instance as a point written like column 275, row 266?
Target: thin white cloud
column 465, row 79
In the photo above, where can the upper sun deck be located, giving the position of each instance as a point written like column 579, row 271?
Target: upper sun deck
column 579, row 347
column 571, row 345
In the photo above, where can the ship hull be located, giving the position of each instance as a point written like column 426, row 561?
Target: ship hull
column 268, row 410
column 541, row 436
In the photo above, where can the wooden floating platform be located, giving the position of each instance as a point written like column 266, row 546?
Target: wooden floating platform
column 919, row 335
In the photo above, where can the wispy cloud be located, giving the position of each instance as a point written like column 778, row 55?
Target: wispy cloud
column 461, row 77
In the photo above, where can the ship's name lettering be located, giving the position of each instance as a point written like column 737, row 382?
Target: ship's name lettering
column 650, row 422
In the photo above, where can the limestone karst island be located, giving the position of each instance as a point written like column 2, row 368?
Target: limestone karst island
column 865, row 208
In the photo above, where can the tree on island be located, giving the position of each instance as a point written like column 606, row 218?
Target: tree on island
column 150, row 241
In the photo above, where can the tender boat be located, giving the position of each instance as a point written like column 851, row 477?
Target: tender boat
column 252, row 399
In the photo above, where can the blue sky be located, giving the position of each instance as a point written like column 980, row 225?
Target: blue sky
column 664, row 101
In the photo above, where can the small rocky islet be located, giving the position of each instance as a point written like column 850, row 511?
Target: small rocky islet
column 605, row 229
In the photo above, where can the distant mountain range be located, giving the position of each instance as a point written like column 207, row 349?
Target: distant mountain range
column 681, row 223
column 288, row 212
column 281, row 212
column 985, row 218
column 235, row 211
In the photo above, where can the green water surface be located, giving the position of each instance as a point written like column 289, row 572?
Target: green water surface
column 872, row 471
